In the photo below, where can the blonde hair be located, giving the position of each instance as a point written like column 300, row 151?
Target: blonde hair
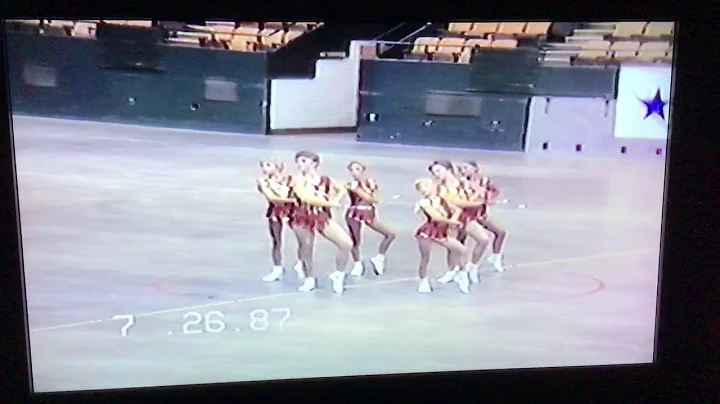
column 423, row 182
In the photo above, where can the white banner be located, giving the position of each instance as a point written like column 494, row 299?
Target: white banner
column 643, row 102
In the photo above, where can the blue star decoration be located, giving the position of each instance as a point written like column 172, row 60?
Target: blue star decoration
column 655, row 105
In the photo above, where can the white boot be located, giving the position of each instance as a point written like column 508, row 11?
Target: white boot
column 449, row 275
column 378, row 262
column 308, row 285
column 300, row 270
column 462, row 279
column 338, row 281
column 358, row 269
column 496, row 261
column 275, row 275
column 424, row 286
column 474, row 272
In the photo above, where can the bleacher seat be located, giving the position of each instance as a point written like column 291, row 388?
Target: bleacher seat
column 659, row 29
column 628, row 29
column 504, row 44
column 537, row 28
column 247, row 30
column 250, row 24
column 465, row 55
column 61, row 23
column 593, row 50
column 622, row 50
column 423, row 46
column 478, row 43
column 139, row 23
column 242, row 43
column 271, row 39
column 511, row 28
column 654, row 51
column 460, row 27
column 483, row 28
column 291, row 35
column 83, row 29
column 223, row 33
column 307, row 25
column 655, row 46
column 448, row 49
column 274, row 25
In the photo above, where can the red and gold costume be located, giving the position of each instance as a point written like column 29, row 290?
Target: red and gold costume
column 490, row 190
column 361, row 210
column 311, row 216
column 432, row 229
column 463, row 189
column 280, row 187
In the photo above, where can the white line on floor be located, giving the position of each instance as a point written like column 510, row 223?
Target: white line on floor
column 387, row 281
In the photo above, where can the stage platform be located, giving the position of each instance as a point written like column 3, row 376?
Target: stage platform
column 166, row 226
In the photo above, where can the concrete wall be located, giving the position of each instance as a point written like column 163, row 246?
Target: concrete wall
column 582, row 126
column 197, row 89
column 329, row 100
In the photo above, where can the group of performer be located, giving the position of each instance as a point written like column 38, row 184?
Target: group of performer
column 455, row 202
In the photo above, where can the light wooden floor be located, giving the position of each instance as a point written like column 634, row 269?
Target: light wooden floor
column 166, row 226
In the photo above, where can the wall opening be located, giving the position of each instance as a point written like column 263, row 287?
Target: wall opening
column 545, row 146
column 623, row 150
column 578, row 147
column 40, row 76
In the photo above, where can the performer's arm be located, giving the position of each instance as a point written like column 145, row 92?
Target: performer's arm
column 270, row 195
column 309, row 197
column 493, row 192
column 435, row 214
column 479, row 196
column 461, row 203
column 367, row 194
column 337, row 191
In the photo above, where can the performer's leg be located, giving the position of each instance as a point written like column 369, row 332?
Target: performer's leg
column 496, row 259
column 482, row 239
column 299, row 266
column 306, row 241
column 461, row 251
column 275, row 229
column 355, row 228
column 424, row 246
column 453, row 258
column 334, row 233
column 388, row 237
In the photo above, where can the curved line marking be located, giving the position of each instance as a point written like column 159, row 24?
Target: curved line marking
column 601, row 286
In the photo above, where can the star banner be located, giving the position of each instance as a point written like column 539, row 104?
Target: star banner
column 643, row 102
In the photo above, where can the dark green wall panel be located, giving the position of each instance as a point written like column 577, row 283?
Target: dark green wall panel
column 397, row 91
column 578, row 81
column 85, row 91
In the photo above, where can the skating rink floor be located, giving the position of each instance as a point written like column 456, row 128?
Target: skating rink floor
column 166, row 226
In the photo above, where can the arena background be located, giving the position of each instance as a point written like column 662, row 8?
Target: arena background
column 136, row 180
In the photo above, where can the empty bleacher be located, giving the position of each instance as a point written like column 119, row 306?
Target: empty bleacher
column 618, row 42
column 230, row 35
column 456, row 42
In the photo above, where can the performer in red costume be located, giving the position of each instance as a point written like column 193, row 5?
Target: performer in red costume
column 363, row 193
column 315, row 195
column 440, row 217
column 469, row 198
column 274, row 185
column 471, row 171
